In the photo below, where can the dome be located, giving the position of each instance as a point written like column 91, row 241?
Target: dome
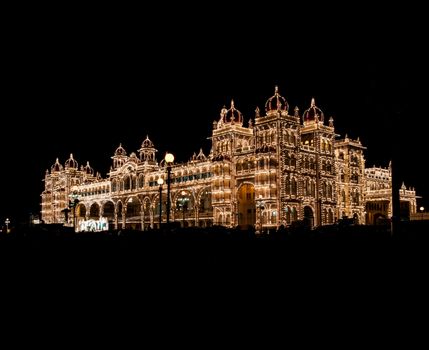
column 56, row 166
column 231, row 115
column 147, row 143
column 88, row 169
column 313, row 112
column 71, row 162
column 276, row 102
column 120, row 151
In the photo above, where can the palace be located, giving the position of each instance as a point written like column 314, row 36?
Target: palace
column 278, row 169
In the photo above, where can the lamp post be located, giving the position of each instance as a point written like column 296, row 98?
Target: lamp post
column 422, row 209
column 184, row 201
column 169, row 159
column 160, row 183
column 7, row 222
column 260, row 204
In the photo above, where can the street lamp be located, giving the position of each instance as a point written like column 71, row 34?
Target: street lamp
column 7, row 222
column 422, row 209
column 169, row 159
column 260, row 204
column 184, row 205
column 160, row 183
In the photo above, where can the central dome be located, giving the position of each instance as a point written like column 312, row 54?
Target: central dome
column 231, row 115
column 313, row 113
column 276, row 103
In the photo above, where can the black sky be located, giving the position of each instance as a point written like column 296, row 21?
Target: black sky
column 85, row 83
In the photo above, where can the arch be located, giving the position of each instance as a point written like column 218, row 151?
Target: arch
column 205, row 202
column 185, row 206
column 288, row 214
column 133, row 213
column 141, row 180
column 94, row 211
column 109, row 212
column 330, row 216
column 80, row 211
column 308, row 216
column 127, row 183
column 246, row 206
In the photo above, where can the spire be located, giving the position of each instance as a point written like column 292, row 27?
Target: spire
column 257, row 112
column 296, row 110
column 276, row 90
column 71, row 155
column 313, row 102
column 232, row 104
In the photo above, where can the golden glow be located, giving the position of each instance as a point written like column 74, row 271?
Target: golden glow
column 169, row 158
column 160, row 181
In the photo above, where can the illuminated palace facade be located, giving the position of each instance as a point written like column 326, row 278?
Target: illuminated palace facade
column 277, row 169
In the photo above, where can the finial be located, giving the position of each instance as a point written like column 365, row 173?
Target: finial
column 403, row 186
column 120, row 144
column 257, row 112
column 57, row 161
column 250, row 123
column 347, row 136
column 313, row 102
column 276, row 90
column 232, row 104
column 331, row 122
column 147, row 137
column 358, row 139
column 296, row 110
column 71, row 155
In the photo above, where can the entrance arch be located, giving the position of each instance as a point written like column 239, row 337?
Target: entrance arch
column 308, row 216
column 246, row 206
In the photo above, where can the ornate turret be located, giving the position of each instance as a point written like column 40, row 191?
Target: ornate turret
column 230, row 116
column 56, row 166
column 120, row 157
column 147, row 151
column 313, row 114
column 276, row 103
column 71, row 163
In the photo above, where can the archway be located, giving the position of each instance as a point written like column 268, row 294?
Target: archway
column 94, row 211
column 308, row 216
column 80, row 212
column 205, row 208
column 133, row 214
column 109, row 212
column 246, row 206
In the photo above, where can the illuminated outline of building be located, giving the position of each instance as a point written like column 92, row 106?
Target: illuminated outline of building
column 278, row 169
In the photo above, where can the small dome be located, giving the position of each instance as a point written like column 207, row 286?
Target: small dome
column 313, row 112
column 276, row 102
column 231, row 115
column 56, row 166
column 88, row 169
column 147, row 143
column 71, row 162
column 120, row 151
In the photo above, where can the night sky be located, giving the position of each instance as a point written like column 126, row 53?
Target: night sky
column 83, row 84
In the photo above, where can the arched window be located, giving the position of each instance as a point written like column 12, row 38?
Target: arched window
column 288, row 213
column 287, row 185
column 293, row 183
column 127, row 183
column 293, row 160
column 141, row 181
column 294, row 214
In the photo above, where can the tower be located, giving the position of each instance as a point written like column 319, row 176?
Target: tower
column 231, row 142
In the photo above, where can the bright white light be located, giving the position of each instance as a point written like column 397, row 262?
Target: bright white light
column 169, row 158
column 160, row 181
column 422, row 208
